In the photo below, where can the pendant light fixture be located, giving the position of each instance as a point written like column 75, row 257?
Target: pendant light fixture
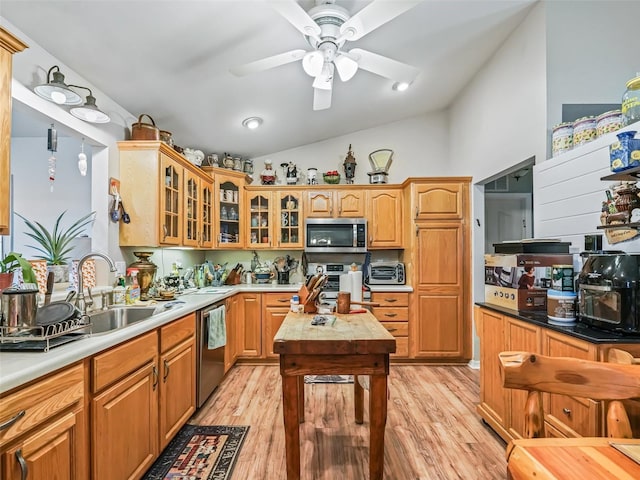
column 89, row 112
column 82, row 161
column 56, row 90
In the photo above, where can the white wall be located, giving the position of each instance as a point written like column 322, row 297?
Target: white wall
column 420, row 145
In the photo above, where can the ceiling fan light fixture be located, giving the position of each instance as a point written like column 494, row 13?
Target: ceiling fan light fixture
column 252, row 122
column 312, row 63
column 347, row 67
column 55, row 90
column 400, row 86
column 324, row 81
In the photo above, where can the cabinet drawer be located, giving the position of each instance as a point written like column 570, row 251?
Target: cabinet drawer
column 390, row 299
column 176, row 332
column 40, row 401
column 402, row 347
column 110, row 366
column 397, row 329
column 282, row 299
column 388, row 314
column 574, row 416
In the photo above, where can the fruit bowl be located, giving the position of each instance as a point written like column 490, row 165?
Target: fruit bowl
column 331, row 178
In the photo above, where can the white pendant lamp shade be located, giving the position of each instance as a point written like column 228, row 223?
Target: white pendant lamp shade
column 347, row 67
column 89, row 112
column 312, row 63
column 55, row 90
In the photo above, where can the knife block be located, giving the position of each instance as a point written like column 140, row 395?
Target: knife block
column 233, row 278
column 307, row 300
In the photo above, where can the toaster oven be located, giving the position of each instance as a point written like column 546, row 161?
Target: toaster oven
column 386, row 273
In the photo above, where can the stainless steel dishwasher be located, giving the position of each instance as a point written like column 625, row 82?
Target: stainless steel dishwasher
column 209, row 363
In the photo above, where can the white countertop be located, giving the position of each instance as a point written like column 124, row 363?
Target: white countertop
column 18, row 368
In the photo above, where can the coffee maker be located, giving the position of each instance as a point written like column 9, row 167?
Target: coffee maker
column 609, row 292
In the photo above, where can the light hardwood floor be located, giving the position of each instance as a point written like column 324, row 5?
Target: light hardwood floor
column 432, row 429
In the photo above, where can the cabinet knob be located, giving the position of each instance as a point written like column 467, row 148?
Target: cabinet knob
column 155, row 377
column 166, row 370
column 566, row 411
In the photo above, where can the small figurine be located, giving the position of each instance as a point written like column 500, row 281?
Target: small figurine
column 312, row 176
column 268, row 175
column 292, row 174
column 349, row 166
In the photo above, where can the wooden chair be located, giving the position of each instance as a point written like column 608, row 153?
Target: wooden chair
column 611, row 382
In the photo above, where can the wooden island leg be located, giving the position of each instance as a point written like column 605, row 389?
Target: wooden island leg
column 378, row 420
column 358, row 400
column 290, row 399
column 301, row 398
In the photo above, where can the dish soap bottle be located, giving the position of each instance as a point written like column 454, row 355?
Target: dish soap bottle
column 119, row 292
column 132, row 292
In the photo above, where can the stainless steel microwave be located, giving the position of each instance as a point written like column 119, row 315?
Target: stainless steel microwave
column 335, row 235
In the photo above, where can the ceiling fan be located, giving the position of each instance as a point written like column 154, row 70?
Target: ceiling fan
column 327, row 28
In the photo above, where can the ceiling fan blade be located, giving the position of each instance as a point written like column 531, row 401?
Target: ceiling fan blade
column 267, row 63
column 321, row 99
column 377, row 13
column 297, row 17
column 384, row 66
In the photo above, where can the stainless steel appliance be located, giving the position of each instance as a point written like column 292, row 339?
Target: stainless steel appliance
column 609, row 292
column 209, row 363
column 335, row 235
column 333, row 272
column 386, row 273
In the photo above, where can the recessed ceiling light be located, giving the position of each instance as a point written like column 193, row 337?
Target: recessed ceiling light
column 400, row 86
column 252, row 122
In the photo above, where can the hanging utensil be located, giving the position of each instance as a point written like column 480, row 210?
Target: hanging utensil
column 123, row 213
column 115, row 209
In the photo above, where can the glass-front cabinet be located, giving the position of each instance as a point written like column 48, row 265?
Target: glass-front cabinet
column 229, row 196
column 259, row 220
column 171, row 201
column 198, row 211
column 289, row 220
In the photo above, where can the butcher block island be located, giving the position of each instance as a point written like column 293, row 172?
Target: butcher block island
column 354, row 344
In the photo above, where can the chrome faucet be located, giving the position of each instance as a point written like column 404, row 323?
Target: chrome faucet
column 81, row 303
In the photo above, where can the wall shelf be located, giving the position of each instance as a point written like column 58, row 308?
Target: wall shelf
column 629, row 175
column 628, row 226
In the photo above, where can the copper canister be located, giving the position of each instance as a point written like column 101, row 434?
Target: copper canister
column 146, row 272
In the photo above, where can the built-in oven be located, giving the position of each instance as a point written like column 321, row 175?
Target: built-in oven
column 331, row 288
column 210, row 345
column 335, row 235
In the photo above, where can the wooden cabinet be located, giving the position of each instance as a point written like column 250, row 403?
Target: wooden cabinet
column 178, row 372
column 439, row 268
column 172, row 206
column 231, row 323
column 8, row 46
column 289, row 222
column 124, row 409
column 229, row 192
column 44, row 429
column 275, row 308
column 259, row 221
column 198, row 211
column 250, row 344
column 385, row 218
column 335, row 202
column 393, row 313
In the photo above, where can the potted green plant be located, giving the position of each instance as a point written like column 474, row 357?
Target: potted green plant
column 55, row 245
column 9, row 264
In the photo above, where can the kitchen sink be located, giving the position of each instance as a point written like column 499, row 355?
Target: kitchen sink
column 208, row 290
column 116, row 318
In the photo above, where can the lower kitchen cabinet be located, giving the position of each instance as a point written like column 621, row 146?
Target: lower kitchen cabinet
column 250, row 335
column 393, row 313
column 275, row 309
column 44, row 429
column 231, row 324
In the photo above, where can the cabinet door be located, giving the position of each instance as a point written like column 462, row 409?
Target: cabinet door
column 177, row 389
column 440, row 200
column 50, row 450
column 572, row 416
column 273, row 318
column 192, row 207
column 206, row 213
column 288, row 220
column 171, row 201
column 441, row 328
column 231, row 322
column 251, row 339
column 259, row 220
column 523, row 337
column 349, row 203
column 493, row 398
column 229, row 191
column 319, row 204
column 385, row 219
column 125, row 426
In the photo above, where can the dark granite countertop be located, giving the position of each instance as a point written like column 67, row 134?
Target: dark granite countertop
column 577, row 330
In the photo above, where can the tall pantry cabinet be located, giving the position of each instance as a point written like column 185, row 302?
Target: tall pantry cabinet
column 439, row 267
column 8, row 46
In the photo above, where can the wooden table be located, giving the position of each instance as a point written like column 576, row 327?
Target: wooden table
column 563, row 458
column 356, row 344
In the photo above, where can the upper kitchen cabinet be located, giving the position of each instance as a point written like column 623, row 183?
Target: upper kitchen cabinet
column 172, row 206
column 340, row 202
column 384, row 218
column 259, row 221
column 438, row 200
column 288, row 219
column 8, row 46
column 229, row 198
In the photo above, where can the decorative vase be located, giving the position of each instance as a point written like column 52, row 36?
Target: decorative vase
column 60, row 273
column 146, row 272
